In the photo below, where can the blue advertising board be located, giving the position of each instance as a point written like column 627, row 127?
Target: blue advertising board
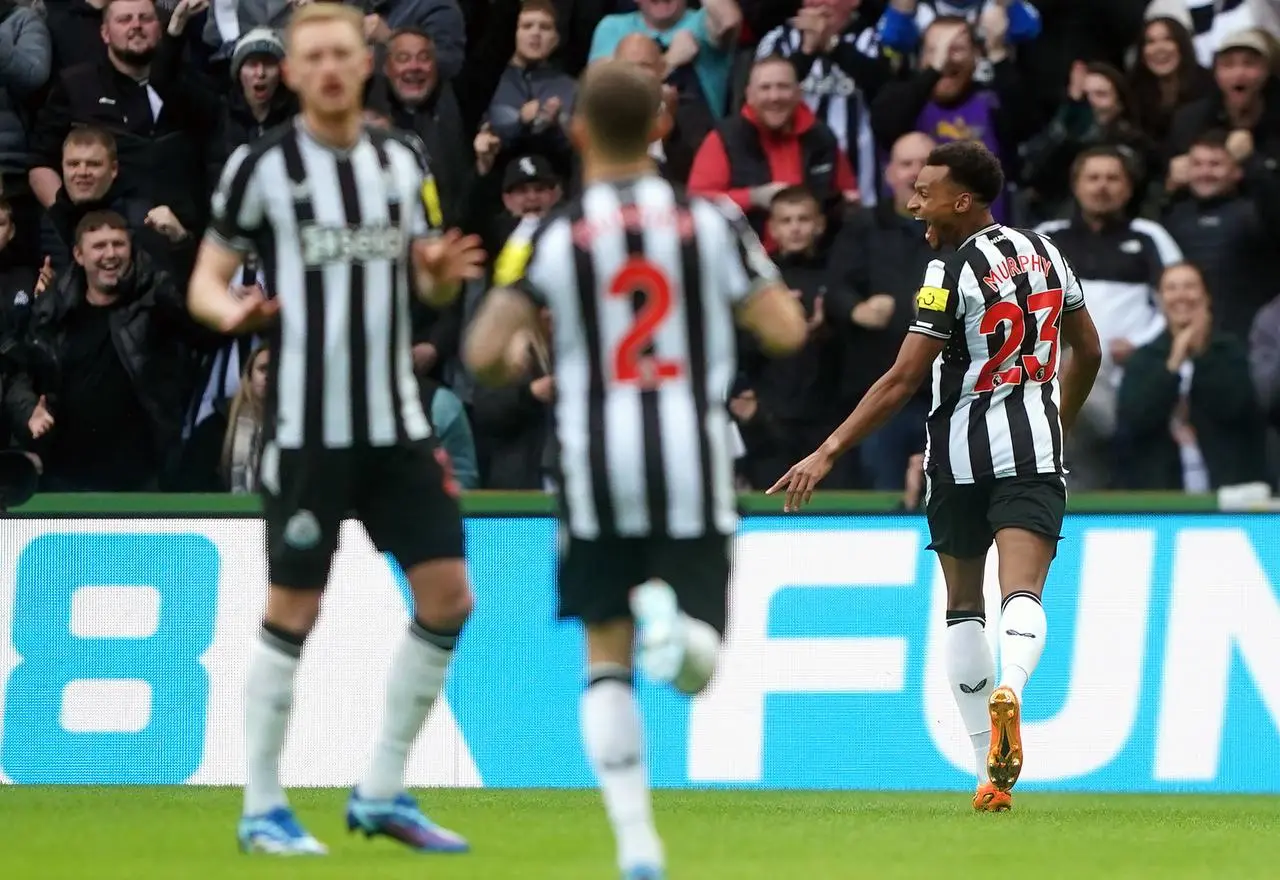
column 122, row 646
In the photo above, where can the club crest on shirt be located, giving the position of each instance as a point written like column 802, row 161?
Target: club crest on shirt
column 302, row 531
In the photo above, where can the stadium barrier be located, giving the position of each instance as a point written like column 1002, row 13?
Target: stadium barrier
column 125, row 623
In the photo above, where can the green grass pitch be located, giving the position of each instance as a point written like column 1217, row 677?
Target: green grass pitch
column 50, row 833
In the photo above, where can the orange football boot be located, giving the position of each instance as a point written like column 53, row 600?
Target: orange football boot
column 1004, row 758
column 990, row 799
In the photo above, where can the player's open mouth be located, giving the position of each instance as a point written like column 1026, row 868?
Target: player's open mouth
column 930, row 234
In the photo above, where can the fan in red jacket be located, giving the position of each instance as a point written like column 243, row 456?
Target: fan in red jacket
column 776, row 142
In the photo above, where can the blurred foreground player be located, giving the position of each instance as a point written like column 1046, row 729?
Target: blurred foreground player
column 644, row 285
column 988, row 321
column 335, row 210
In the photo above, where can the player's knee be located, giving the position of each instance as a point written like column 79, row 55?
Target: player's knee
column 441, row 593
column 292, row 611
column 609, row 643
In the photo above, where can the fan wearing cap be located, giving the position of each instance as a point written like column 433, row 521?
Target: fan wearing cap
column 530, row 188
column 1247, row 104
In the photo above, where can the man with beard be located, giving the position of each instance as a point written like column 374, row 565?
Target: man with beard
column 109, row 367
column 161, row 123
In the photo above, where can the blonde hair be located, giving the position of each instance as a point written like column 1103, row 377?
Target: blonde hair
column 319, row 13
column 245, row 403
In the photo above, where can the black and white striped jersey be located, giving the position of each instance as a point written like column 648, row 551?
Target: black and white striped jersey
column 998, row 301
column 642, row 282
column 332, row 229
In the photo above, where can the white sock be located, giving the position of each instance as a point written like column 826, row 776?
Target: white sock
column 1022, row 634
column 417, row 675
column 971, row 671
column 273, row 663
column 613, row 735
column 701, row 648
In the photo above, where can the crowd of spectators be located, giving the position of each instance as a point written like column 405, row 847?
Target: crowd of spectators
column 1143, row 135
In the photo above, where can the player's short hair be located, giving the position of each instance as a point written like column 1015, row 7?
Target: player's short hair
column 543, row 6
column 1214, row 139
column 972, row 166
column 95, row 220
column 795, row 195
column 316, row 13
column 619, row 103
column 88, row 136
column 1123, row 155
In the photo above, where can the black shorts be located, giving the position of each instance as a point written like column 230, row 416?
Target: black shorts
column 405, row 497
column 596, row 576
column 964, row 518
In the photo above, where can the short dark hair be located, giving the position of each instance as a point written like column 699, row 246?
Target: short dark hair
column 1214, row 138
column 973, row 167
column 620, row 104
column 546, row 7
column 1123, row 155
column 794, row 195
column 95, row 220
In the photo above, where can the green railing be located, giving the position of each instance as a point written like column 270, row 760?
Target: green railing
column 538, row 504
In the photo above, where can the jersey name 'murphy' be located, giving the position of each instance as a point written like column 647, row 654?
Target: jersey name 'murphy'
column 322, row 245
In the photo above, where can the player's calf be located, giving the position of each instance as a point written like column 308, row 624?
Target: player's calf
column 971, row 673
column 268, row 825
column 614, row 738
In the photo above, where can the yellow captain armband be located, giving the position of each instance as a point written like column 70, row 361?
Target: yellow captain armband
column 511, row 263
column 933, row 299
column 431, row 203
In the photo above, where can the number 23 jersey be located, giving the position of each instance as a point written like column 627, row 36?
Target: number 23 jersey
column 642, row 283
column 998, row 302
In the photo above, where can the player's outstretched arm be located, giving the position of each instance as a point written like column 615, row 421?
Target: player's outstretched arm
column 888, row 395
column 492, row 349
column 1080, row 364
column 442, row 264
column 209, row 296
column 775, row 318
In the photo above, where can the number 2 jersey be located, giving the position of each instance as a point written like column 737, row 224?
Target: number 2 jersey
column 998, row 302
column 642, row 282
